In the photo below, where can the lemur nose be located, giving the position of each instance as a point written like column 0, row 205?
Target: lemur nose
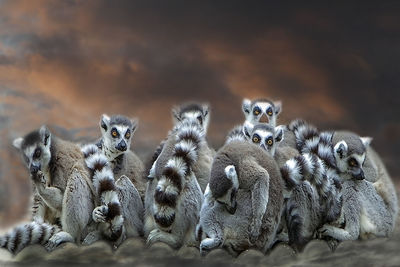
column 121, row 146
column 264, row 118
column 34, row 169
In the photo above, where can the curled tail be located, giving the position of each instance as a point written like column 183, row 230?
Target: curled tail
column 103, row 182
column 235, row 134
column 308, row 167
column 307, row 136
column 189, row 135
column 27, row 234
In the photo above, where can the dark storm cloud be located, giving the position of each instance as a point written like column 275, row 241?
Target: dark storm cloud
column 64, row 63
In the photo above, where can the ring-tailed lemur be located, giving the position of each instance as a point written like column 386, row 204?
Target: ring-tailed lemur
column 173, row 197
column 200, row 113
column 240, row 166
column 314, row 183
column 261, row 110
column 117, row 132
column 365, row 212
column 62, row 182
column 120, row 211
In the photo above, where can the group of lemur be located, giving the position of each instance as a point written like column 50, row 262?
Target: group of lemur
column 267, row 184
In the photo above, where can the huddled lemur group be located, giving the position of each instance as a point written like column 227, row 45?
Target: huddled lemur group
column 267, row 184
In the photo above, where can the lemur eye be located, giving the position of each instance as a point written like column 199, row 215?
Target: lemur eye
column 128, row 134
column 114, row 133
column 256, row 139
column 256, row 111
column 269, row 111
column 270, row 142
column 353, row 162
column 37, row 153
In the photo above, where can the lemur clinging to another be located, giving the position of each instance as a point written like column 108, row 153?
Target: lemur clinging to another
column 244, row 202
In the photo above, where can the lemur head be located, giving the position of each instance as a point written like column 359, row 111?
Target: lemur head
column 263, row 135
column 261, row 111
column 117, row 132
column 349, row 151
column 224, row 189
column 192, row 111
column 35, row 149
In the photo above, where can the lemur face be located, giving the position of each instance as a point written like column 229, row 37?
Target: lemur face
column 117, row 133
column 228, row 200
column 192, row 112
column 35, row 149
column 261, row 111
column 264, row 136
column 351, row 163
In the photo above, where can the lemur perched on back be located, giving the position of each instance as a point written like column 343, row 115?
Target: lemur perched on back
column 117, row 132
column 64, row 190
column 174, row 196
column 244, row 201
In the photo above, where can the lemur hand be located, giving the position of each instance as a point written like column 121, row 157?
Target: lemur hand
column 99, row 214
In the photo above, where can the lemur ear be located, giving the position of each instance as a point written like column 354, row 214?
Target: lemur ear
column 206, row 110
column 17, row 143
column 135, row 124
column 104, row 122
column 247, row 129
column 278, row 107
column 366, row 141
column 45, row 135
column 175, row 114
column 341, row 149
column 246, row 105
column 279, row 133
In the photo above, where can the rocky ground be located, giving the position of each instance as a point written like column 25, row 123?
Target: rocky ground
column 377, row 252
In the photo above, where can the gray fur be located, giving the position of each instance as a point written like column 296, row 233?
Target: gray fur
column 63, row 184
column 257, row 173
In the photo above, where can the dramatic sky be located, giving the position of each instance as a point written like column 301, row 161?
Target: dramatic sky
column 64, row 63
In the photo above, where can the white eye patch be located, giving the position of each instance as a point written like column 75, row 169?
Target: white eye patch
column 264, row 107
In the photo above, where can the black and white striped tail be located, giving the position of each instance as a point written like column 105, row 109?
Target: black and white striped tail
column 27, row 234
column 235, row 134
column 307, row 166
column 189, row 135
column 307, row 136
column 103, row 182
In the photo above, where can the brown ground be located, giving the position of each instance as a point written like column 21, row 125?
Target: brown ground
column 377, row 252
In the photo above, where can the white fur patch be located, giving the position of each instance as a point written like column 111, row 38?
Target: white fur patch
column 178, row 165
column 230, row 172
column 366, row 226
column 294, row 169
column 109, row 196
column 188, row 146
column 117, row 222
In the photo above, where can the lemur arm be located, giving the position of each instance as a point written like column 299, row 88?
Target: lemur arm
column 52, row 196
column 351, row 216
column 259, row 202
column 38, row 208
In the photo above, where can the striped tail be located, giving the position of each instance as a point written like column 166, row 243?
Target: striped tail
column 307, row 136
column 27, row 234
column 235, row 134
column 189, row 136
column 308, row 167
column 103, row 182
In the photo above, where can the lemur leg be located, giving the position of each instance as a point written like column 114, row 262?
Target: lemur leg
column 52, row 196
column 214, row 240
column 77, row 210
column 132, row 206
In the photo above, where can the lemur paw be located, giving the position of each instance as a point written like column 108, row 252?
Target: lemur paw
column 99, row 214
column 58, row 239
column 39, row 178
column 207, row 245
column 153, row 237
column 324, row 231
